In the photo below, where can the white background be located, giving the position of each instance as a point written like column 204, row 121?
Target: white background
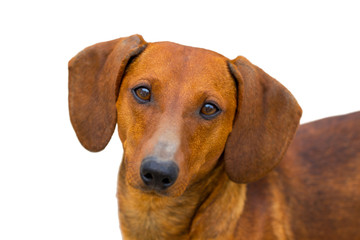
column 52, row 188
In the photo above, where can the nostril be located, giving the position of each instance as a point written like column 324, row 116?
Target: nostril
column 148, row 176
column 166, row 181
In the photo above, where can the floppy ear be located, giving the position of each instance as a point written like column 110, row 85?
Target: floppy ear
column 265, row 123
column 94, row 81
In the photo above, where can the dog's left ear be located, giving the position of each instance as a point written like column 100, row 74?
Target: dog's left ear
column 94, row 81
column 265, row 123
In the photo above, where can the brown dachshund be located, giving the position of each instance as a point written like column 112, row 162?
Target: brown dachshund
column 203, row 137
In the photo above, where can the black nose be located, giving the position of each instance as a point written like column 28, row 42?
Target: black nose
column 158, row 175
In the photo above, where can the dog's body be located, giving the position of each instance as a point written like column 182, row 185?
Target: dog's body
column 202, row 137
column 320, row 179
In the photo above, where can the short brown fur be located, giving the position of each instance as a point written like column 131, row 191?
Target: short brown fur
column 230, row 183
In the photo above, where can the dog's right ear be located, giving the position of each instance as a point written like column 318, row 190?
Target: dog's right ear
column 265, row 123
column 94, row 82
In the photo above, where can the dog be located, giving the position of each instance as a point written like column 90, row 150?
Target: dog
column 203, row 139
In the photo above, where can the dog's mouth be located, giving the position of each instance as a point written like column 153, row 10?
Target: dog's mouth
column 154, row 192
column 173, row 191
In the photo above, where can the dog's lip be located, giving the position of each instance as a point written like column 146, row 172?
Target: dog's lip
column 147, row 190
column 153, row 192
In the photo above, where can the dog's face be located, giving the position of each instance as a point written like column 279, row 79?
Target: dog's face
column 175, row 110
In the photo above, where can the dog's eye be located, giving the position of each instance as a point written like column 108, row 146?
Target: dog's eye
column 142, row 94
column 209, row 110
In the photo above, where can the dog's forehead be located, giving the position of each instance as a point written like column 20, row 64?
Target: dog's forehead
column 181, row 53
column 167, row 61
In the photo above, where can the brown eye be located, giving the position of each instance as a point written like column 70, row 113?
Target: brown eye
column 142, row 94
column 209, row 110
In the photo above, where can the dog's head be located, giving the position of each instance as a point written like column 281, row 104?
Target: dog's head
column 178, row 110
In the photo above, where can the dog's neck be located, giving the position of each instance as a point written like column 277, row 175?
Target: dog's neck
column 145, row 216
